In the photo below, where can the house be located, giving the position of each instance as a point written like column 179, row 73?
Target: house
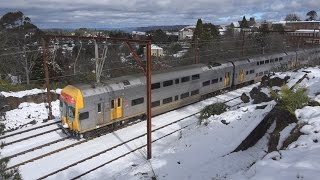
column 186, row 32
column 297, row 25
column 138, row 35
column 156, row 51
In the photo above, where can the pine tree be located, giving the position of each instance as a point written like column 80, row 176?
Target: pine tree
column 244, row 23
column 198, row 31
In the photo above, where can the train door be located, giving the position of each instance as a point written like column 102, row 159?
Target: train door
column 227, row 79
column 116, row 108
column 241, row 75
column 100, row 113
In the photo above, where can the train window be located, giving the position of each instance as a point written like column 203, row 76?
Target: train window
column 195, row 92
column 126, row 82
column 99, row 108
column 271, row 60
column 280, row 58
column 252, row 71
column 176, row 98
column 137, row 101
column 184, row 95
column 177, row 81
column 167, row 100
column 257, row 74
column 221, row 79
column 195, row 76
column 266, row 72
column 247, row 72
column 119, row 102
column 214, row 81
column 185, row 79
column 261, row 62
column 267, row 61
column 155, row 86
column 260, row 73
column 84, row 115
column 167, row 83
column 277, row 59
column 206, row 83
column 155, row 104
column 112, row 104
column 257, row 63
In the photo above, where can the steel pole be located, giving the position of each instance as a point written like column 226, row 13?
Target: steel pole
column 149, row 139
column 46, row 72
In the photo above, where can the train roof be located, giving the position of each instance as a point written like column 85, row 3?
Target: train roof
column 130, row 81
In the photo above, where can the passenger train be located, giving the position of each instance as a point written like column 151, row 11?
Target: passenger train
column 86, row 107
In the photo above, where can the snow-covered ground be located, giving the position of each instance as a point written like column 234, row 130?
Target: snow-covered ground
column 197, row 152
column 21, row 94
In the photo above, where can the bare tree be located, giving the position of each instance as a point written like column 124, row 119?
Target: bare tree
column 292, row 17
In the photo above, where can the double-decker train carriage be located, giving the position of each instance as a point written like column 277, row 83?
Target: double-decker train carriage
column 86, row 107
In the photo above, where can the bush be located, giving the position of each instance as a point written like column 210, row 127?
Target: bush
column 291, row 99
column 213, row 109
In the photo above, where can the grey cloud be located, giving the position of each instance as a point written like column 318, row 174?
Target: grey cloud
column 126, row 13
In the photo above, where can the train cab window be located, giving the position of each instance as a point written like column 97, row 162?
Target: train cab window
column 167, row 83
column 261, row 62
column 280, row 58
column 84, row 115
column 177, row 81
column 221, row 79
column 195, row 76
column 167, row 100
column 267, row 61
column 176, row 98
column 213, row 81
column 206, row 83
column 184, row 95
column 99, row 108
column 112, row 104
column 185, row 79
column 258, row 64
column 252, row 71
column 71, row 111
column 195, row 92
column 155, row 104
column 137, row 101
column 155, row 86
column 271, row 60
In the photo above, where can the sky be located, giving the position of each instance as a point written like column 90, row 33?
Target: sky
column 140, row 13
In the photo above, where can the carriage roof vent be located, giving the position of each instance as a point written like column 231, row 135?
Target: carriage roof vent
column 126, row 82
column 213, row 64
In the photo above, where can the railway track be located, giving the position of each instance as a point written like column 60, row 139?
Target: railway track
column 13, row 133
column 126, row 142
column 60, row 140
column 59, row 149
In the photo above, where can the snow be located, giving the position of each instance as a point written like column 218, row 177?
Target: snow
column 21, row 94
column 200, row 151
column 28, row 112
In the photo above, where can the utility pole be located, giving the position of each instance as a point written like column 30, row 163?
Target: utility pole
column 149, row 130
column 242, row 47
column 46, row 72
